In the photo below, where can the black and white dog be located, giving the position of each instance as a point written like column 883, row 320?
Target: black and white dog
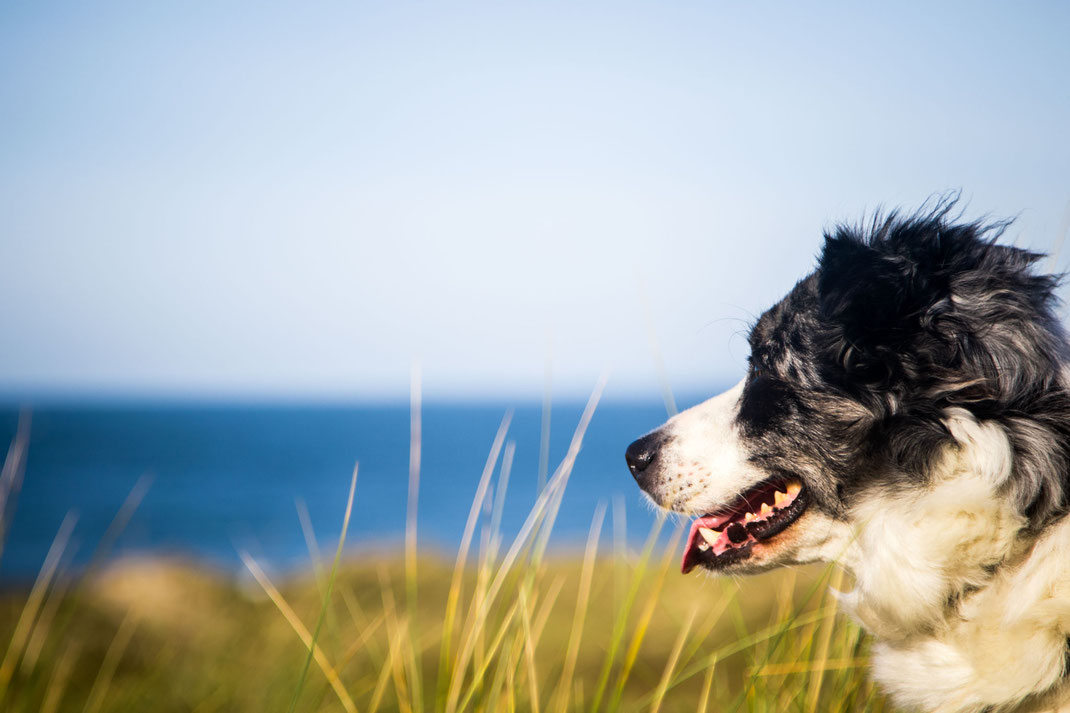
column 907, row 414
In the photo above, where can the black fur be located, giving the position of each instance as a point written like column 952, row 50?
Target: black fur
column 903, row 318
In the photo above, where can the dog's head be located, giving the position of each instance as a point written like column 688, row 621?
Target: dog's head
column 851, row 381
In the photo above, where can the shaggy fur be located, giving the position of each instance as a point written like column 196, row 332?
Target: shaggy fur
column 914, row 390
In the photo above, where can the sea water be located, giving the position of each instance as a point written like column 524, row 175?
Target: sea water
column 224, row 478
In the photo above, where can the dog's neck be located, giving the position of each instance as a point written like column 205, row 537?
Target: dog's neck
column 970, row 610
column 915, row 552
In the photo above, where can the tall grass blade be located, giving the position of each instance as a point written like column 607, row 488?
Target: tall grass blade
column 670, row 663
column 33, row 602
column 412, row 512
column 398, row 632
column 11, row 475
column 564, row 470
column 529, row 652
column 544, row 426
column 61, row 674
column 109, row 663
column 478, row 675
column 299, row 628
column 707, row 684
column 824, row 638
column 454, row 595
column 314, row 554
column 580, row 613
column 644, row 621
column 330, row 587
column 120, row 521
column 51, row 618
column 552, row 491
column 620, row 621
column 499, row 499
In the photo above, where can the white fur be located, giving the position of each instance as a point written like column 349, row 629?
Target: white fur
column 704, row 465
column 913, row 548
column 953, row 636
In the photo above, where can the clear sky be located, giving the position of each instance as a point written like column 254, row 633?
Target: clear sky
column 252, row 199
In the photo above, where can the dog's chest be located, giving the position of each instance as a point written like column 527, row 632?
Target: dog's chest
column 975, row 667
column 1002, row 647
column 968, row 617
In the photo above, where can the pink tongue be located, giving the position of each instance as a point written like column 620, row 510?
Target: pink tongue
column 690, row 551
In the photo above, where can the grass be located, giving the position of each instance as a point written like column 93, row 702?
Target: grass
column 504, row 626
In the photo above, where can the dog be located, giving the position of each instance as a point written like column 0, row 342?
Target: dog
column 906, row 414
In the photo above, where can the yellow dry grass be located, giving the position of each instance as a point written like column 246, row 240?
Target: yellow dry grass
column 504, row 626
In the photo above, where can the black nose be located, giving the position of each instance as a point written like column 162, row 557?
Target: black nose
column 641, row 453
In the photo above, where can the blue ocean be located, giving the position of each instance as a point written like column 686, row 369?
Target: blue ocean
column 224, row 478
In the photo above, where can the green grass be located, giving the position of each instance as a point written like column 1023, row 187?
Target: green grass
column 161, row 635
column 502, row 626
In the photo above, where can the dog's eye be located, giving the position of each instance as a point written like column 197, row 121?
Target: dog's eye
column 756, row 370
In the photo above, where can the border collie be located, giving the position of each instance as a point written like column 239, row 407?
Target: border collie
column 906, row 413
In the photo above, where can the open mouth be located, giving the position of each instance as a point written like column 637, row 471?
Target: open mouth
column 728, row 535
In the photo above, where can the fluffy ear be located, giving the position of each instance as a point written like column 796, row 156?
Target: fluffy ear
column 939, row 304
column 876, row 297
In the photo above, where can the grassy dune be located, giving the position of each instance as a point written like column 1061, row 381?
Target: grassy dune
column 503, row 625
column 165, row 636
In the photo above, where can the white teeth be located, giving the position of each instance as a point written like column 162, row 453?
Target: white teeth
column 749, row 517
column 780, row 498
column 703, row 546
column 794, row 488
column 765, row 510
column 711, row 536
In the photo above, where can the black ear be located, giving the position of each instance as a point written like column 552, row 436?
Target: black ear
column 939, row 304
column 877, row 297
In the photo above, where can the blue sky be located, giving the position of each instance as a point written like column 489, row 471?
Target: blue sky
column 250, row 199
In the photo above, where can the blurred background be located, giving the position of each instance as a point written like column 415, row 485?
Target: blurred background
column 232, row 234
